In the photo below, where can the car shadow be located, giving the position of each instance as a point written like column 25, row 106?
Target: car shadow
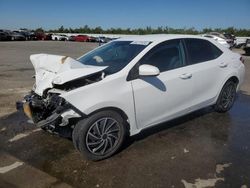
column 239, row 107
column 177, row 122
column 154, row 81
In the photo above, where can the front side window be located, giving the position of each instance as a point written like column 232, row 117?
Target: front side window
column 166, row 56
column 200, row 50
column 115, row 55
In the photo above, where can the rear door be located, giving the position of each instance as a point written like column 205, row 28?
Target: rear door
column 207, row 70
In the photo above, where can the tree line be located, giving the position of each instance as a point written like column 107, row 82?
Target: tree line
column 148, row 30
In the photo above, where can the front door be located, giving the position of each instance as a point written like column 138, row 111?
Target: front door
column 166, row 96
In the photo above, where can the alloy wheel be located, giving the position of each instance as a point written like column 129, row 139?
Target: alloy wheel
column 103, row 136
column 228, row 96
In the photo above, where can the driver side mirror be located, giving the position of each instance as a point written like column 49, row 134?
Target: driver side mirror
column 148, row 70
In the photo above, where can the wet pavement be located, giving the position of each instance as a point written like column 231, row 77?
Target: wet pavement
column 202, row 149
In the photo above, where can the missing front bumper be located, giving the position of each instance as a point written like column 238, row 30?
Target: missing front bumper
column 60, row 117
column 25, row 107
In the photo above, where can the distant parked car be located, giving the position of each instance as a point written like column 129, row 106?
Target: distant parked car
column 59, row 37
column 240, row 42
column 91, row 39
column 4, row 36
column 247, row 47
column 21, row 33
column 71, row 38
column 218, row 39
column 40, row 35
column 64, row 38
column 103, row 39
column 29, row 35
column 17, row 36
column 81, row 38
column 48, row 37
column 55, row 37
column 230, row 39
column 32, row 36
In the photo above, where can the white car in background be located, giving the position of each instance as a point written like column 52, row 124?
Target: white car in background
column 59, row 37
column 128, row 85
column 241, row 41
column 220, row 40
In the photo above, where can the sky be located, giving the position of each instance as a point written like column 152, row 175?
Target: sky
column 51, row 14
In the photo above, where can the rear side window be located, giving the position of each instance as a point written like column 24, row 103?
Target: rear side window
column 166, row 56
column 200, row 50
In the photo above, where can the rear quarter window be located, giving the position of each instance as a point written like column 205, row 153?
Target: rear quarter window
column 200, row 50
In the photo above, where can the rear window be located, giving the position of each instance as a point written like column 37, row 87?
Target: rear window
column 200, row 50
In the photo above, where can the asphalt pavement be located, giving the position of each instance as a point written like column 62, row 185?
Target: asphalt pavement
column 202, row 149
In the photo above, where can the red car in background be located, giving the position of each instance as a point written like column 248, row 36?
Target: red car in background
column 91, row 39
column 42, row 36
column 81, row 38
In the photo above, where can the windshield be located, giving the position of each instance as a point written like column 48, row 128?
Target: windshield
column 115, row 55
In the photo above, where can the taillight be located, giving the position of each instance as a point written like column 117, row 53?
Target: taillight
column 242, row 60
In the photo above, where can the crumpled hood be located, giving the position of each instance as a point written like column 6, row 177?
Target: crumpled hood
column 57, row 69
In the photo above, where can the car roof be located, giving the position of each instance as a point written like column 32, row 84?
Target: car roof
column 158, row 37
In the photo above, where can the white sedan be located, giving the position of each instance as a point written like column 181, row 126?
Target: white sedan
column 59, row 37
column 130, row 84
column 220, row 40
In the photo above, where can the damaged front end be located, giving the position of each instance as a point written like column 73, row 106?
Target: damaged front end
column 52, row 113
column 54, row 76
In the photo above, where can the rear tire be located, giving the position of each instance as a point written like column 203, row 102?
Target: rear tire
column 100, row 136
column 226, row 98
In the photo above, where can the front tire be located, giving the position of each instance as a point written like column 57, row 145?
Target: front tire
column 226, row 98
column 100, row 135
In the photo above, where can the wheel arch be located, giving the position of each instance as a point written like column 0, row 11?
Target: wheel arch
column 118, row 110
column 220, row 107
column 232, row 77
column 235, row 79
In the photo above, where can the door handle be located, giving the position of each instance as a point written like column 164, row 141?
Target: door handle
column 186, row 76
column 223, row 65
